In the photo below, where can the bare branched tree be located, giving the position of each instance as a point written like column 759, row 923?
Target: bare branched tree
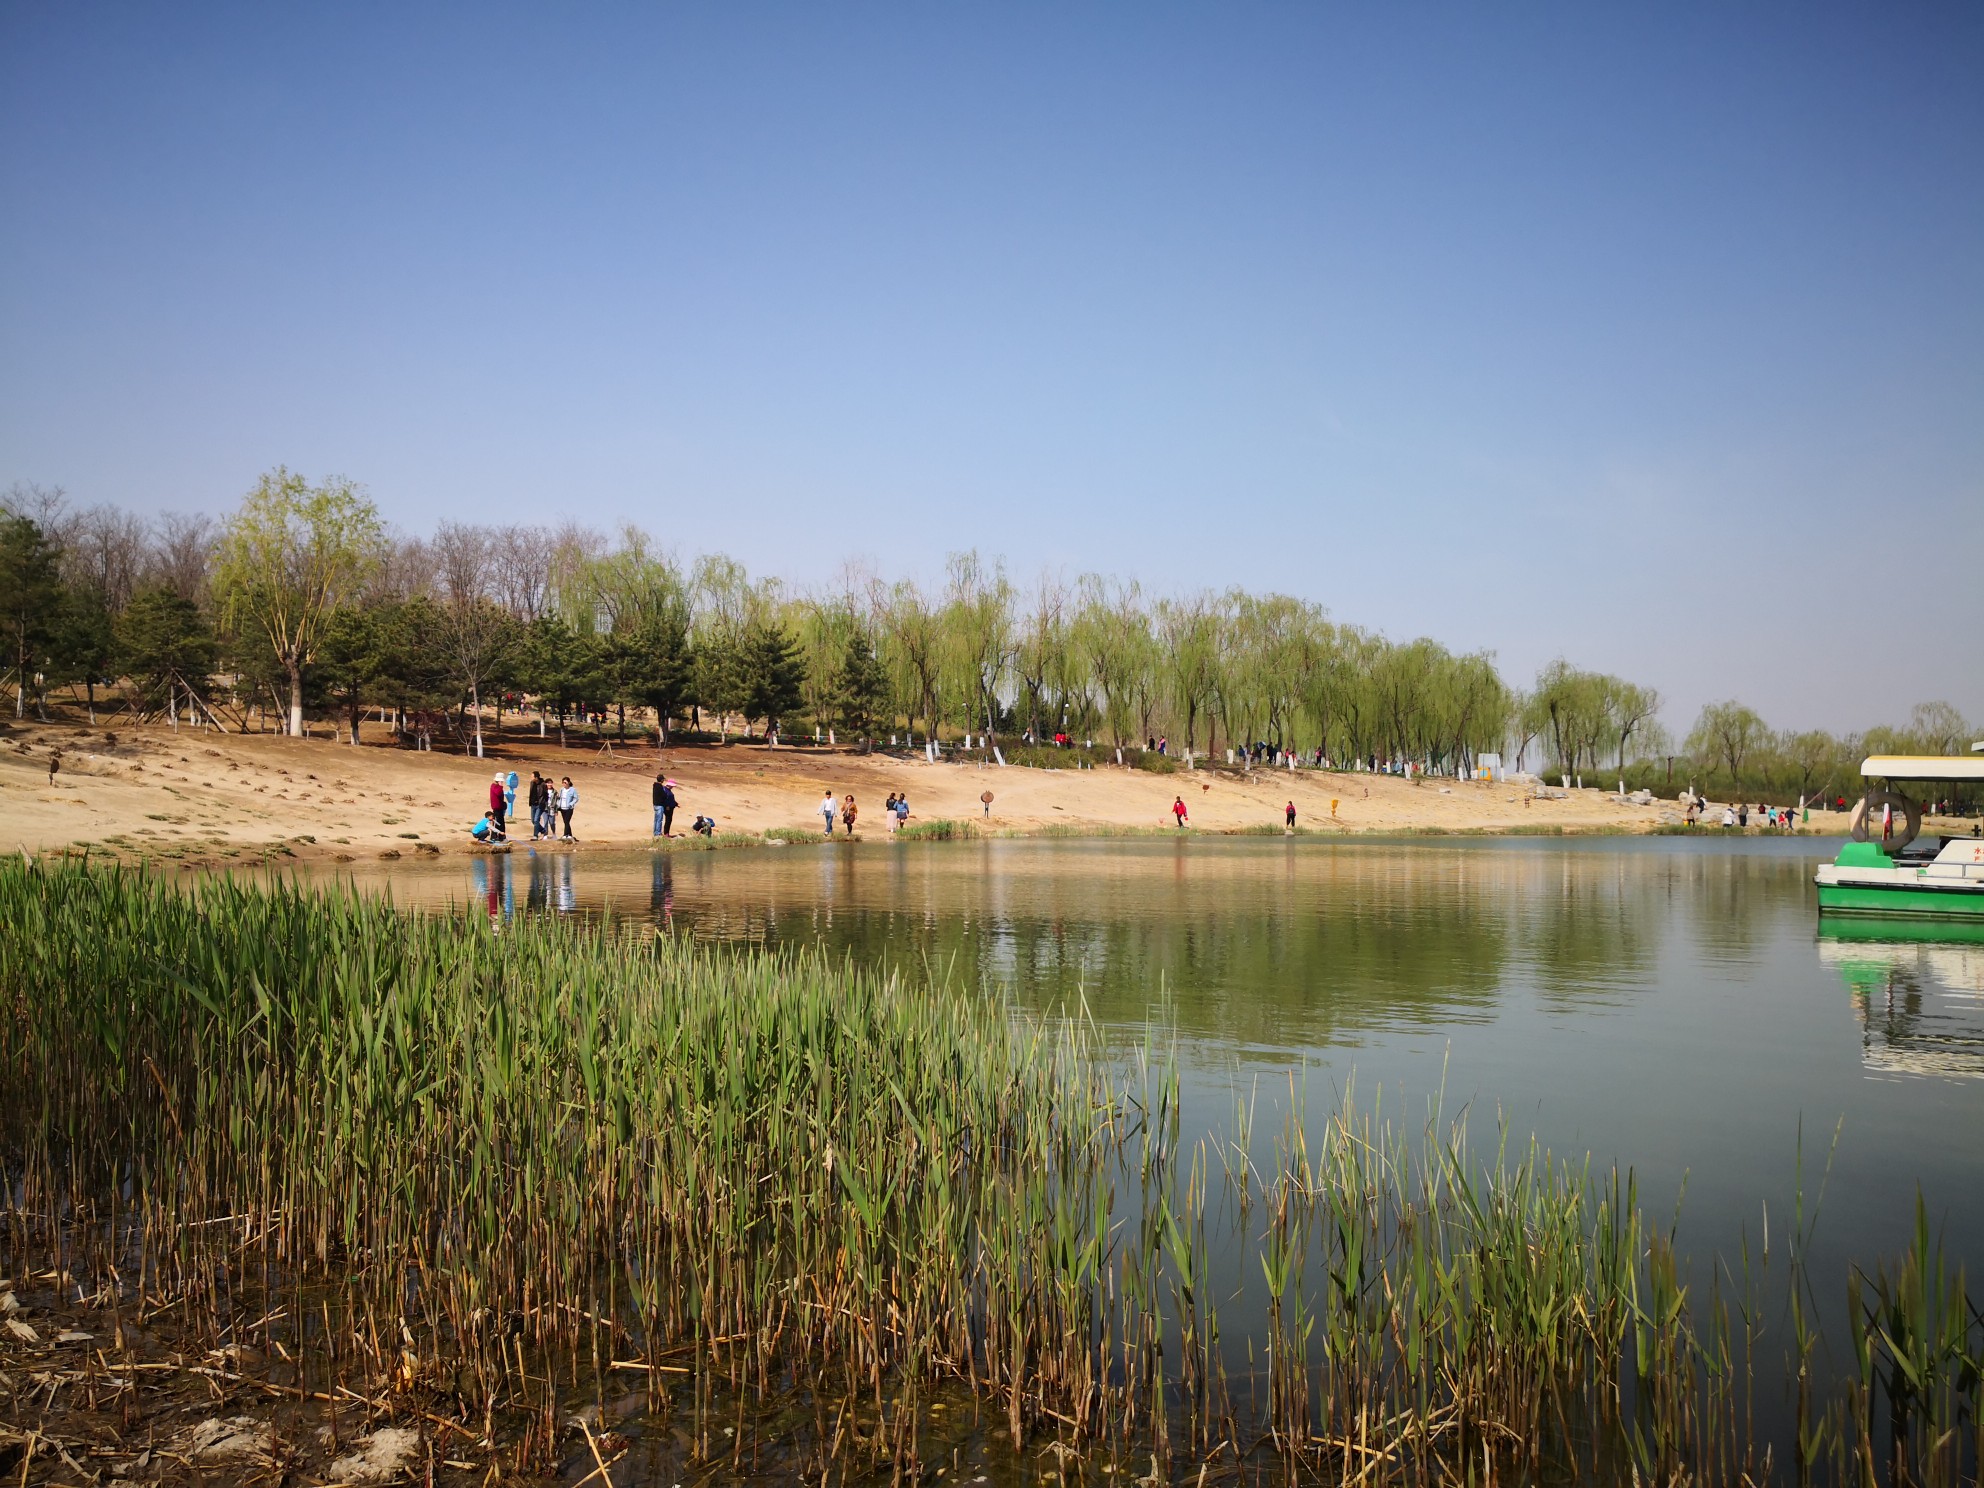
column 181, row 554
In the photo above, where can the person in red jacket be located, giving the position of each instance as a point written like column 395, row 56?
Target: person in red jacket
column 1178, row 810
column 497, row 800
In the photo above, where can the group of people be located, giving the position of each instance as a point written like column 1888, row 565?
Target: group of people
column 664, row 811
column 1184, row 818
column 1771, row 818
column 550, row 806
column 895, row 811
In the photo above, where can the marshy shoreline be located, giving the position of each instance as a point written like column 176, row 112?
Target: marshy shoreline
column 530, row 1197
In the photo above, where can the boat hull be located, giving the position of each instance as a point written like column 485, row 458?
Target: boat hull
column 1915, row 901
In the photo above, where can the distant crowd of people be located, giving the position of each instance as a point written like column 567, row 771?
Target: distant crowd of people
column 552, row 804
column 1770, row 818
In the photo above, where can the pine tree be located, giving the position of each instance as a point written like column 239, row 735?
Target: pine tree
column 652, row 664
column 351, row 657
column 30, row 593
column 85, row 642
column 162, row 635
column 859, row 689
column 774, row 673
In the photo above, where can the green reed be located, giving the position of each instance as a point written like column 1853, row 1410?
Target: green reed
column 476, row 1138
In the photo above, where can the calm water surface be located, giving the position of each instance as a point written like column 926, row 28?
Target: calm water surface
column 1667, row 1004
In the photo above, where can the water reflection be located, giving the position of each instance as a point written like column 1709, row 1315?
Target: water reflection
column 1263, row 948
column 1256, row 946
column 1920, row 1001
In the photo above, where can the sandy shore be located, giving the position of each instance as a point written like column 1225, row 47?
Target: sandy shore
column 206, row 798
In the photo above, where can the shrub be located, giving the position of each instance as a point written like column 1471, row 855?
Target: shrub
column 942, row 829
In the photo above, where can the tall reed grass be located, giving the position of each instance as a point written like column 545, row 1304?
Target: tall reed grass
column 472, row 1139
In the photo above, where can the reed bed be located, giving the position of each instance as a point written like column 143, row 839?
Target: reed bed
column 490, row 1167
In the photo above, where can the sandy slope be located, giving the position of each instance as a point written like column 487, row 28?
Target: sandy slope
column 206, row 797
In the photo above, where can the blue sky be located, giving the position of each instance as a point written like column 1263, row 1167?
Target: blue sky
column 1653, row 337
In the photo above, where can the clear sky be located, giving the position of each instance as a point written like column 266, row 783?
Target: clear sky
column 1648, row 335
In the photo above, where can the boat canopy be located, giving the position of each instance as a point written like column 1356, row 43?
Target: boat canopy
column 1923, row 767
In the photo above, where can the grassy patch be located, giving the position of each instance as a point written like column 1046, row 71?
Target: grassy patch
column 939, row 829
column 792, row 834
column 696, row 842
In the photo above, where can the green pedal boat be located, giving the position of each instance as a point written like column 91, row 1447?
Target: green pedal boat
column 1888, row 870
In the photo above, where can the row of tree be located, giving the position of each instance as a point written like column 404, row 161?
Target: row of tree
column 304, row 599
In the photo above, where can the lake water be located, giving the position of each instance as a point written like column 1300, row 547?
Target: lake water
column 1667, row 1004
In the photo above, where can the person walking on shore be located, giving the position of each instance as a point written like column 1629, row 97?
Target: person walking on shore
column 902, row 811
column 827, row 806
column 848, row 813
column 889, row 811
column 1289, row 816
column 664, row 807
column 1178, row 811
column 568, row 802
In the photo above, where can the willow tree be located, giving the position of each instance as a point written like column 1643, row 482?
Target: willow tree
column 1571, row 709
column 1631, row 710
column 288, row 558
column 911, row 652
column 1727, row 733
column 1475, row 704
column 723, row 605
column 1277, row 646
column 1041, row 644
column 637, row 602
column 1189, row 629
column 977, row 629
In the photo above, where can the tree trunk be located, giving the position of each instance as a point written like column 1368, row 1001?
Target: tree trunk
column 295, row 699
column 356, row 708
column 475, row 704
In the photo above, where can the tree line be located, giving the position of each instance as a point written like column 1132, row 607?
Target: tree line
column 303, row 604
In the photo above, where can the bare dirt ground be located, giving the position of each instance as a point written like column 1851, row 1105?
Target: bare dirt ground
column 205, row 798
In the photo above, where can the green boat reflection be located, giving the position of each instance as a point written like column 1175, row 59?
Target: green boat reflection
column 1918, row 988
